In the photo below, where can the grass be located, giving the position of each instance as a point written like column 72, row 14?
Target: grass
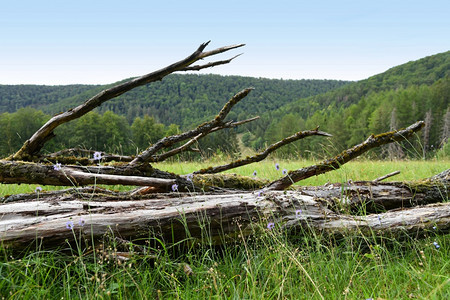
column 271, row 264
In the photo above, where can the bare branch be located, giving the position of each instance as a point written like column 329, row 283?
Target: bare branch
column 386, row 176
column 345, row 156
column 210, row 65
column 185, row 147
column 82, row 178
column 106, row 157
column 45, row 133
column 261, row 156
column 164, row 156
column 73, row 175
column 203, row 128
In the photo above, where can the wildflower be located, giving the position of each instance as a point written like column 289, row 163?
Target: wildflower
column 69, row 225
column 189, row 177
column 298, row 213
column 97, row 155
column 284, row 171
column 81, row 222
column 254, row 173
column 434, row 227
column 174, row 187
column 57, row 167
column 436, row 245
column 38, row 189
column 379, row 219
column 271, row 225
column 277, row 166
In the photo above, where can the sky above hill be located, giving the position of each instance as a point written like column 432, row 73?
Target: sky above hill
column 96, row 42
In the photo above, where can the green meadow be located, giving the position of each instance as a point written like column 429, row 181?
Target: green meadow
column 271, row 264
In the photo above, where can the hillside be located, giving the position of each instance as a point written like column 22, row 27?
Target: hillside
column 423, row 71
column 351, row 111
column 182, row 99
column 417, row 90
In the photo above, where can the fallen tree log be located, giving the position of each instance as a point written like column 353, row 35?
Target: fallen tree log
column 57, row 217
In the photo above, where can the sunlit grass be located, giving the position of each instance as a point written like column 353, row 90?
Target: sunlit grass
column 354, row 170
column 270, row 264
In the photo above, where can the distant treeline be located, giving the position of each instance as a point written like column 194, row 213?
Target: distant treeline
column 351, row 111
column 374, row 113
column 101, row 132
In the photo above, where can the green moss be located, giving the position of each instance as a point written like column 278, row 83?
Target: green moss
column 233, row 181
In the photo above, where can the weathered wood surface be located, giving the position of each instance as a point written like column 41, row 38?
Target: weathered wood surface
column 25, row 218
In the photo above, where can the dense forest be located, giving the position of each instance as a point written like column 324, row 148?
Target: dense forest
column 349, row 110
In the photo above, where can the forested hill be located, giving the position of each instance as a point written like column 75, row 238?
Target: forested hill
column 418, row 90
column 182, row 99
column 351, row 111
column 424, row 71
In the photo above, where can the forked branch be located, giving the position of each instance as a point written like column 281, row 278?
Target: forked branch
column 204, row 128
column 186, row 146
column 32, row 146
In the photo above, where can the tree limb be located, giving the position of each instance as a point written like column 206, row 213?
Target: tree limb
column 345, row 156
column 261, row 156
column 146, row 155
column 185, row 147
column 210, row 65
column 33, row 145
column 386, row 176
column 62, row 156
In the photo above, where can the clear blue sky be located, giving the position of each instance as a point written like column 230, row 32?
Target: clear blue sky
column 63, row 42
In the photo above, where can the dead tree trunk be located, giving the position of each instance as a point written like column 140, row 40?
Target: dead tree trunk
column 170, row 205
column 55, row 217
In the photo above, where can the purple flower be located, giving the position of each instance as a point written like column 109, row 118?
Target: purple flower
column 69, row 225
column 271, row 225
column 81, row 222
column 57, row 167
column 97, row 155
column 38, row 189
column 434, row 227
column 277, row 166
column 254, row 173
column 174, row 187
column 436, row 245
column 298, row 213
column 259, row 193
column 284, row 171
column 189, row 177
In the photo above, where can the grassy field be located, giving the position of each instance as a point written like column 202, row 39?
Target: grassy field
column 269, row 265
column 354, row 170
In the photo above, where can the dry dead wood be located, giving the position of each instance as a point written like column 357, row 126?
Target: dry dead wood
column 345, row 156
column 194, row 207
column 33, row 145
column 177, row 216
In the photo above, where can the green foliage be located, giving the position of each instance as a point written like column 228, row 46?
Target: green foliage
column 16, row 128
column 392, row 100
column 349, row 111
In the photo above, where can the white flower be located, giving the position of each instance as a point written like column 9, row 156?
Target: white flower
column 97, row 155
